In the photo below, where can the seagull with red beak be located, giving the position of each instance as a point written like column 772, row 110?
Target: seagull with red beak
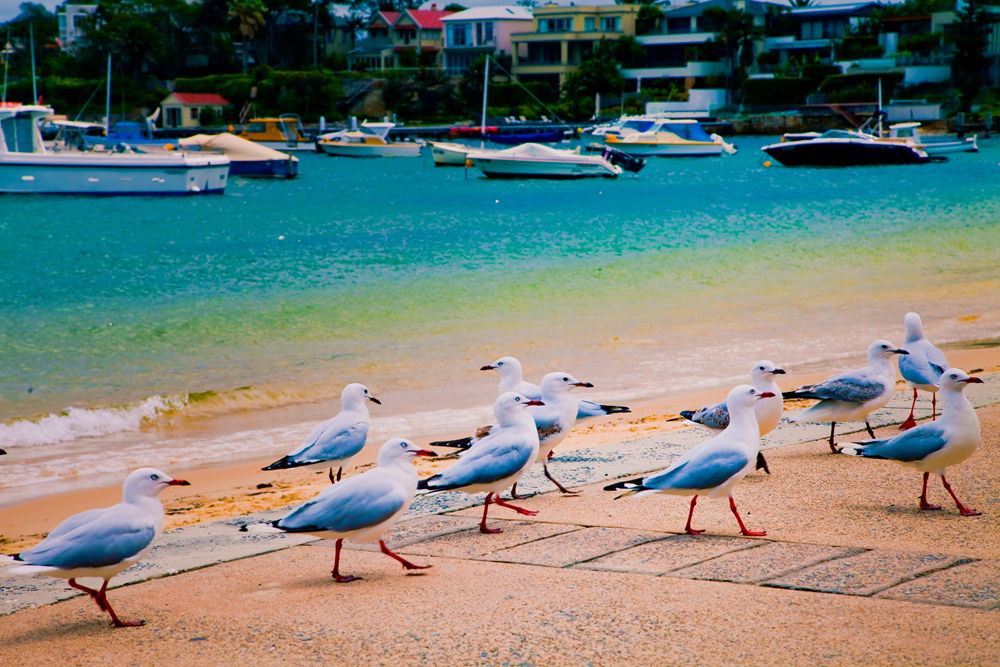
column 101, row 543
column 361, row 508
column 713, row 467
column 933, row 446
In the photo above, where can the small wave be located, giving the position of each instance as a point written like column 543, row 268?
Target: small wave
column 75, row 423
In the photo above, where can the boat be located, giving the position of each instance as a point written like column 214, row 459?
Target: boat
column 668, row 138
column 536, row 137
column 368, row 140
column 844, row 148
column 28, row 166
column 246, row 158
column 284, row 133
column 450, row 153
column 909, row 132
column 538, row 161
column 132, row 133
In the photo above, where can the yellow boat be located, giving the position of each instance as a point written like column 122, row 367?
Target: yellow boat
column 284, row 133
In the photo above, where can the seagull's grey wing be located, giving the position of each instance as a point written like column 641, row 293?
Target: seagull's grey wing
column 345, row 507
column 703, row 472
column 72, row 523
column 712, row 416
column 104, row 541
column 848, row 388
column 337, row 440
column 919, row 368
column 587, row 409
column 913, row 445
column 485, row 463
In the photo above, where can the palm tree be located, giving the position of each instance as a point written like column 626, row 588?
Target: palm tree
column 249, row 16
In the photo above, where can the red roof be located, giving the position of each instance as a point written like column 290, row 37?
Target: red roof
column 388, row 17
column 201, row 98
column 428, row 18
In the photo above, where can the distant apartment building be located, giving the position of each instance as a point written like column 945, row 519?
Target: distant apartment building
column 481, row 31
column 410, row 38
column 69, row 17
column 564, row 36
column 814, row 31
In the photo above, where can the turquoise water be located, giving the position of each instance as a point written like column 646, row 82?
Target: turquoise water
column 140, row 312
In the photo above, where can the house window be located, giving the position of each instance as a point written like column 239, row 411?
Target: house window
column 173, row 117
column 611, row 23
column 194, row 113
column 678, row 26
column 488, row 33
column 459, row 35
column 588, row 24
column 555, row 25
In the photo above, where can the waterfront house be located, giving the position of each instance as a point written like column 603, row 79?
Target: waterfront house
column 70, row 17
column 184, row 109
column 481, row 31
column 407, row 39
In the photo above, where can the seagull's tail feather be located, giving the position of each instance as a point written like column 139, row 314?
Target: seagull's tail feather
column 688, row 414
column 31, row 569
column 615, row 409
column 10, row 558
column 631, row 486
column 461, row 443
column 264, row 527
column 284, row 462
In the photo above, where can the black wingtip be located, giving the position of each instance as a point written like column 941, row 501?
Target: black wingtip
column 461, row 443
column 624, row 484
column 615, row 409
column 2, row 452
column 243, row 528
column 422, row 484
column 281, row 464
column 792, row 394
column 688, row 414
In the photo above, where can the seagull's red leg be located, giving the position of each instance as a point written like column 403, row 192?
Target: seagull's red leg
column 106, row 606
column 486, row 509
column 924, row 505
column 94, row 594
column 513, row 493
column 552, row 479
column 688, row 529
column 833, row 445
column 743, row 529
column 338, row 577
column 962, row 509
column 519, row 510
column 910, row 421
column 406, row 564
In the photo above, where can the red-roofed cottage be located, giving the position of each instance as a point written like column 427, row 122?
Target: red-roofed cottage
column 411, row 38
column 184, row 109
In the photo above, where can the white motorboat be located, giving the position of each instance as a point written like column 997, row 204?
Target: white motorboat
column 910, row 133
column 450, row 154
column 538, row 161
column 669, row 137
column 28, row 166
column 246, row 158
column 369, row 140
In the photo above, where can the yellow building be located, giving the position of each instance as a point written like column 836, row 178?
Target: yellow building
column 563, row 37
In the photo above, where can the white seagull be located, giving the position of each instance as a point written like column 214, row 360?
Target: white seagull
column 337, row 440
column 554, row 419
column 933, row 446
column 512, row 379
column 361, row 508
column 768, row 410
column 711, row 468
column 853, row 395
column 922, row 367
column 497, row 460
column 103, row 542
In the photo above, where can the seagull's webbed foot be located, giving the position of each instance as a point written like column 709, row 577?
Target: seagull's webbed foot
column 908, row 424
column 519, row 510
column 693, row 531
column 924, row 505
column 344, row 578
column 488, row 531
column 118, row 623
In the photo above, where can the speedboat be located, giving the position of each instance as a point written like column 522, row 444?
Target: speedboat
column 668, row 137
column 369, row 140
column 246, row 158
column 909, row 132
column 538, row 161
column 844, row 148
column 450, row 153
column 27, row 165
column 284, row 133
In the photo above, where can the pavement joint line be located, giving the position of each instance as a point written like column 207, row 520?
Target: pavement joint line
column 755, row 544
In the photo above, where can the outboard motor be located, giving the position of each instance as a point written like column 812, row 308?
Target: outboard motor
column 623, row 159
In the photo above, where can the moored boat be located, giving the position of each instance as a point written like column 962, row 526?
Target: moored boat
column 450, row 153
column 284, row 133
column 538, row 161
column 369, row 140
column 669, row 138
column 844, row 148
column 246, row 158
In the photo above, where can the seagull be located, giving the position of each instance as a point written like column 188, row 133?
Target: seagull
column 711, row 468
column 512, row 379
column 922, row 368
column 337, row 440
column 361, row 508
column 553, row 418
column 103, row 542
column 853, row 395
column 497, row 460
column 933, row 446
column 768, row 410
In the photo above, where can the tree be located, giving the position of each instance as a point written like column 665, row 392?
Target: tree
column 597, row 74
column 249, row 18
column 970, row 35
column 648, row 17
column 735, row 34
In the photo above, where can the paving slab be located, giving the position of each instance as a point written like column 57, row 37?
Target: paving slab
column 767, row 561
column 470, row 543
column 570, row 548
column 975, row 584
column 866, row 573
column 419, row 530
column 670, row 553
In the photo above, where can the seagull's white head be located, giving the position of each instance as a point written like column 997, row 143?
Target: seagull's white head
column 399, row 450
column 956, row 379
column 147, row 483
column 558, row 381
column 913, row 326
column 508, row 366
column 509, row 405
column 355, row 395
column 765, row 371
column 883, row 349
column 742, row 398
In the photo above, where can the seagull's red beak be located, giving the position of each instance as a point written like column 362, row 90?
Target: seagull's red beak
column 487, row 367
column 583, row 384
column 765, row 394
column 425, row 452
column 534, row 401
column 178, row 482
column 974, row 379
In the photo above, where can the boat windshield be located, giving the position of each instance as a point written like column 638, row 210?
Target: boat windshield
column 841, row 134
column 689, row 131
column 638, row 125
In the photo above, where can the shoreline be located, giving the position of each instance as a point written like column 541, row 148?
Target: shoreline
column 227, row 490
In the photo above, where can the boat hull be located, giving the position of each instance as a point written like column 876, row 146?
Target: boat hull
column 843, row 153
column 264, row 168
column 287, row 146
column 112, row 174
column 499, row 167
column 348, row 149
column 668, row 150
column 448, row 154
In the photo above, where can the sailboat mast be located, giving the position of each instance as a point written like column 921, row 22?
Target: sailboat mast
column 107, row 101
column 482, row 118
column 34, row 77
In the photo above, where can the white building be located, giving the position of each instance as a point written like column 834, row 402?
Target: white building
column 480, row 31
column 69, row 27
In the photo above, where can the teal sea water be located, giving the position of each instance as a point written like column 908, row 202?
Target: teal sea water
column 198, row 330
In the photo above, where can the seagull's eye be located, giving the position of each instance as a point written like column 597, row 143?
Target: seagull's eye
column 565, row 379
column 518, row 399
column 154, row 476
column 752, row 392
column 499, row 363
column 404, row 444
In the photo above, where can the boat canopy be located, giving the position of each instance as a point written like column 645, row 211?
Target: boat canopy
column 19, row 128
column 535, row 151
column 237, row 148
column 691, row 131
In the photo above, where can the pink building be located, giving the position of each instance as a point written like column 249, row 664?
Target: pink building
column 481, row 31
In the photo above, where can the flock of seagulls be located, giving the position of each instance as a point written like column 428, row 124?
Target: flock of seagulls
column 530, row 421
